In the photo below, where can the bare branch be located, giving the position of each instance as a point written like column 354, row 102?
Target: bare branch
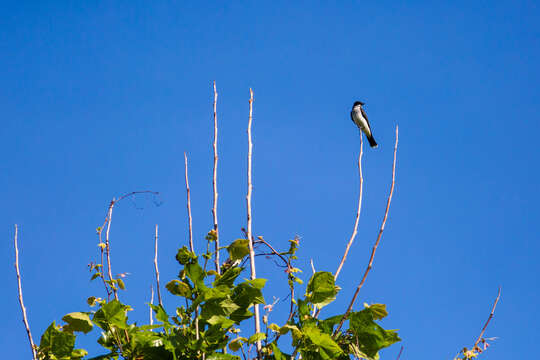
column 355, row 230
column 21, row 302
column 372, row 257
column 102, row 269
column 488, row 320
column 189, row 206
column 249, row 232
column 156, row 265
column 214, row 182
column 107, row 246
column 151, row 302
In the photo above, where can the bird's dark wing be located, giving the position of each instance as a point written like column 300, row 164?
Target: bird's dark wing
column 365, row 117
column 352, row 117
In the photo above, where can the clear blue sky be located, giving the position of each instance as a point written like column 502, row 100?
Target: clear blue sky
column 101, row 99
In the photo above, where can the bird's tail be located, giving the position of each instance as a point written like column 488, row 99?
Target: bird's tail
column 372, row 141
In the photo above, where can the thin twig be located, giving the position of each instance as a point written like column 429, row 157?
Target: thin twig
column 214, row 181
column 249, row 233
column 151, row 303
column 370, row 264
column 488, row 320
column 274, row 251
column 102, row 270
column 156, row 265
column 355, row 230
column 107, row 247
column 21, row 302
column 189, row 206
column 399, row 355
column 315, row 311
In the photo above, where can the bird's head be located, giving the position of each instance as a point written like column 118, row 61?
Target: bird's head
column 358, row 103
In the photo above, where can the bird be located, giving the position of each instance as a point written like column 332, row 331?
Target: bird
column 359, row 117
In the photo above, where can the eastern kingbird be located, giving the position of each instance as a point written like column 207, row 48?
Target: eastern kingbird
column 359, row 117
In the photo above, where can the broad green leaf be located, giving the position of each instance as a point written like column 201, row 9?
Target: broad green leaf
column 228, row 277
column 56, row 342
column 303, row 308
column 257, row 283
column 378, row 310
column 256, row 337
column 371, row 336
column 241, row 315
column 184, row 256
column 196, row 274
column 327, row 325
column 238, row 249
column 180, row 288
column 78, row 321
column 274, row 327
column 321, row 289
column 221, row 321
column 245, row 295
column 292, row 328
column 217, row 292
column 228, row 306
column 161, row 315
column 327, row 347
column 111, row 313
column 236, row 344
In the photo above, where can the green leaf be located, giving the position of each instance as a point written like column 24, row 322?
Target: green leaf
column 78, row 353
column 95, row 275
column 221, row 321
column 238, row 249
column 78, row 321
column 327, row 325
column 196, row 274
column 371, row 336
column 228, row 277
column 321, row 289
column 236, row 344
column 121, row 284
column 184, row 256
column 327, row 347
column 278, row 355
column 257, row 283
column 245, row 295
column 56, row 342
column 161, row 315
column 293, row 328
column 378, row 310
column 111, row 313
column 180, row 288
column 256, row 337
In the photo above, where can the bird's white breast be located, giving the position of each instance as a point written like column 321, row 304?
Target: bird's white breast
column 359, row 119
